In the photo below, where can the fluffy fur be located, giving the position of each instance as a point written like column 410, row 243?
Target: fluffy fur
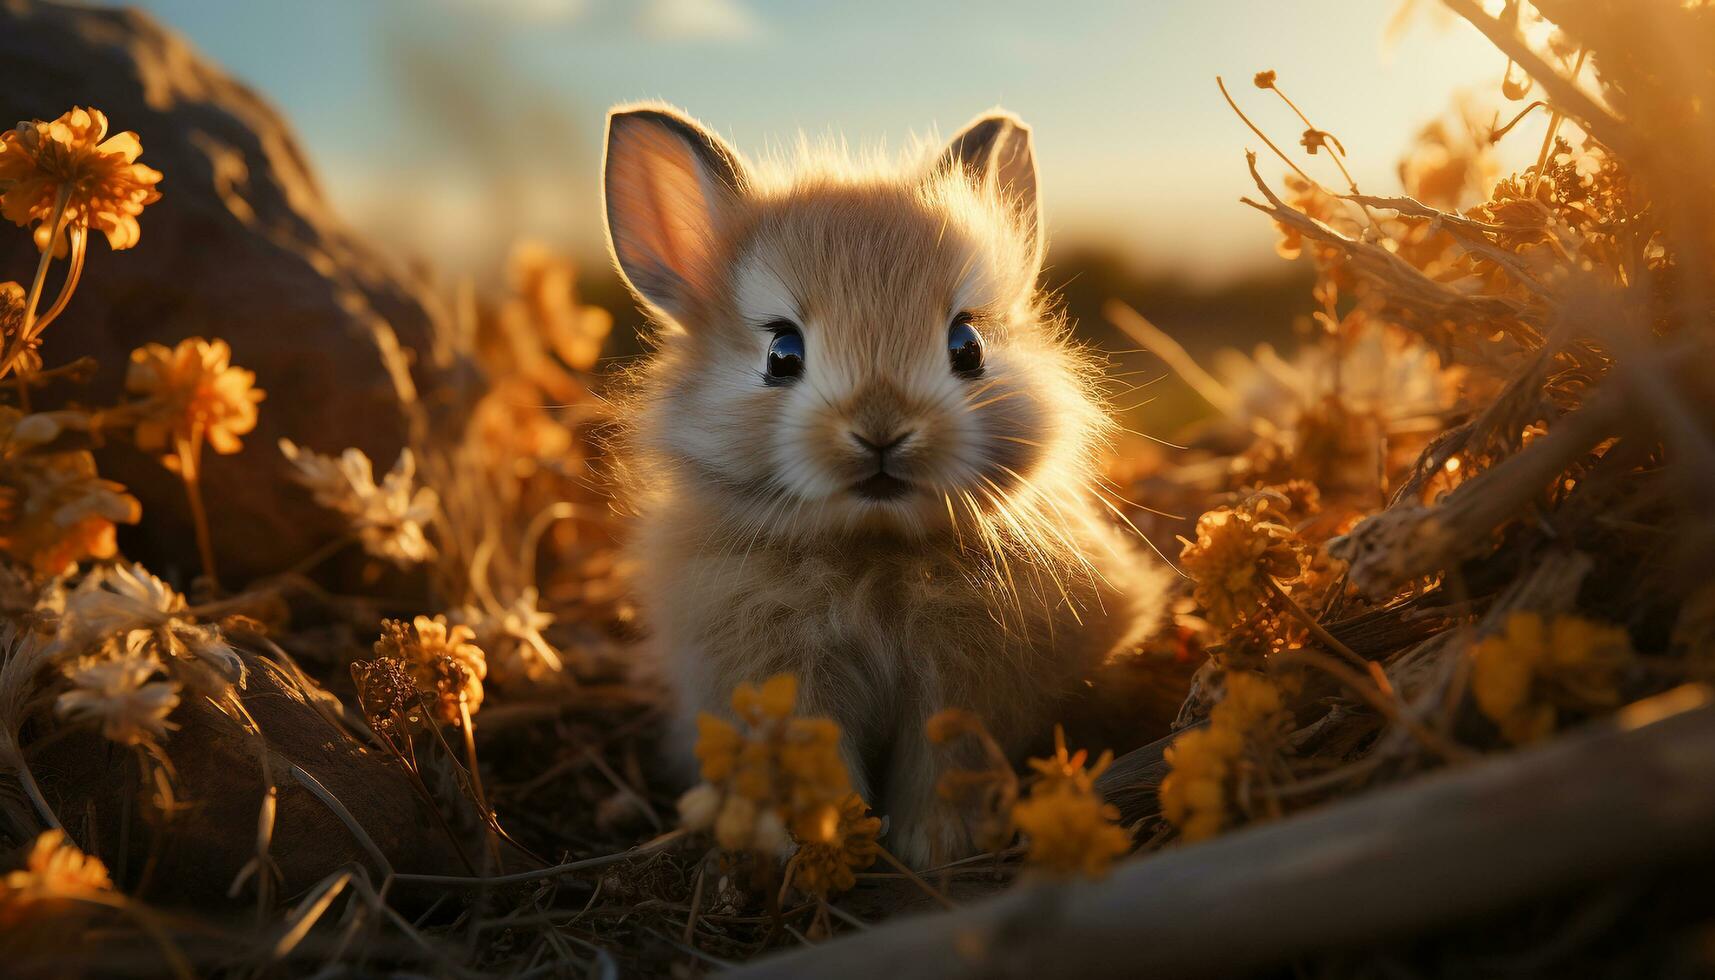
column 998, row 582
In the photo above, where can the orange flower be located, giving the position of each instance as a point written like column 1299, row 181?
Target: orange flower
column 447, row 667
column 1527, row 675
column 1235, row 548
column 54, row 871
column 54, row 508
column 1204, row 763
column 836, row 842
column 770, row 772
column 193, row 392
column 1071, row 829
column 73, row 159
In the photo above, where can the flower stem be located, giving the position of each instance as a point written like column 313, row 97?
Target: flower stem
column 190, row 453
column 79, row 248
column 928, row 889
column 15, row 345
column 1555, row 118
column 1316, row 629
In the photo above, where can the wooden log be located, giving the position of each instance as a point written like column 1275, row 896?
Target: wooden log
column 1614, row 798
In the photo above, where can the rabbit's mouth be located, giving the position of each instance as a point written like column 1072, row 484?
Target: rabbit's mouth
column 881, row 486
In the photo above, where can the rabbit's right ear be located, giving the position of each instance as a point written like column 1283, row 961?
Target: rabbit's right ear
column 667, row 183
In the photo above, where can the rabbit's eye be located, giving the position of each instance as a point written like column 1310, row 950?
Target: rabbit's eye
column 785, row 353
column 965, row 347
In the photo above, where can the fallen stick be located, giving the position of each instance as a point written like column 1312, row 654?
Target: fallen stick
column 1615, row 798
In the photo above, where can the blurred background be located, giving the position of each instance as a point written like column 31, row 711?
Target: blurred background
column 448, row 130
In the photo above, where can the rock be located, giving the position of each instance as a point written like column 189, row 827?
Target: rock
column 242, row 245
column 190, row 857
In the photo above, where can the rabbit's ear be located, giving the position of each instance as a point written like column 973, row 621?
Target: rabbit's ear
column 995, row 152
column 667, row 183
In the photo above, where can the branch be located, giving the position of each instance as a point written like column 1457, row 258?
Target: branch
column 1635, row 792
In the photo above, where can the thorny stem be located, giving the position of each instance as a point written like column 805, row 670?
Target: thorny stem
column 190, row 458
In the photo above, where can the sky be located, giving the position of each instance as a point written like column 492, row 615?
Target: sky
column 450, row 128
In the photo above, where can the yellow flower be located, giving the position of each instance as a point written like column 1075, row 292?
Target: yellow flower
column 1071, row 830
column 193, row 392
column 1235, row 547
column 54, row 509
column 1068, row 768
column 1525, row 676
column 98, row 176
column 835, row 842
column 55, row 870
column 769, row 772
column 775, row 699
column 446, row 665
column 1204, row 763
column 718, row 744
column 1193, row 796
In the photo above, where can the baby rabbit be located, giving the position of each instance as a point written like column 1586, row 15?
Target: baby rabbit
column 863, row 450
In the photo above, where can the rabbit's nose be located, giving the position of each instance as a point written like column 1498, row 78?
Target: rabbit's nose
column 881, row 444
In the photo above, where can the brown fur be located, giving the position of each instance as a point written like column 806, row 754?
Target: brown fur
column 998, row 583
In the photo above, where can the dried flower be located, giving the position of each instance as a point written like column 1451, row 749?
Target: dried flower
column 1070, row 828
column 512, row 636
column 1264, row 79
column 387, row 694
column 447, row 666
column 73, row 159
column 835, row 842
column 118, row 694
column 1525, row 677
column 192, row 392
column 1205, row 764
column 388, row 519
column 116, row 599
column 125, row 602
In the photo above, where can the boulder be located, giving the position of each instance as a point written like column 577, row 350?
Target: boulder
column 189, row 855
column 242, row 245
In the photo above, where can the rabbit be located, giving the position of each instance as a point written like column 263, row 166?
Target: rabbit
column 862, row 448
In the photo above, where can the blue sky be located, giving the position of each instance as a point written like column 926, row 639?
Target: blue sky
column 451, row 127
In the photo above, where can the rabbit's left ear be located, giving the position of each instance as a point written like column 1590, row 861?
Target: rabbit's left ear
column 995, row 152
